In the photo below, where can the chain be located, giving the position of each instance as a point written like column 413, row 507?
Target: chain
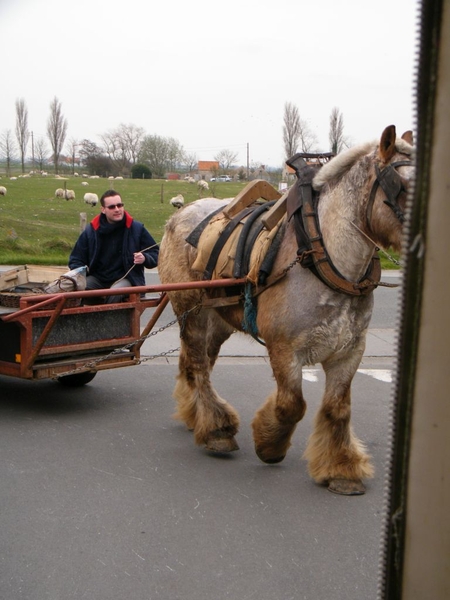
column 90, row 365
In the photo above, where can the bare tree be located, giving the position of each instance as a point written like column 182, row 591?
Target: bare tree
column 40, row 153
column 190, row 160
column 72, row 146
column 226, row 158
column 7, row 149
column 22, row 133
column 291, row 129
column 56, row 130
column 336, row 133
column 307, row 137
column 160, row 154
column 122, row 145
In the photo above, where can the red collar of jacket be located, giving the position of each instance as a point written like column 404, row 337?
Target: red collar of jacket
column 96, row 220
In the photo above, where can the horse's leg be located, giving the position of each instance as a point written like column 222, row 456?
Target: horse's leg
column 336, row 456
column 213, row 421
column 276, row 420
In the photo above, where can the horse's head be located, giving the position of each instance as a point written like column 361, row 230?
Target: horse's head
column 394, row 173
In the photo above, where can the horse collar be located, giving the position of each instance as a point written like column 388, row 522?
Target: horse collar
column 311, row 249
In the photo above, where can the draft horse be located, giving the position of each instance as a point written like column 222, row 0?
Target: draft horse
column 302, row 318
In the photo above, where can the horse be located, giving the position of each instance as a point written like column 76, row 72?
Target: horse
column 302, row 317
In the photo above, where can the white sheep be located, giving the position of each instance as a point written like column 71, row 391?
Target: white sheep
column 91, row 199
column 191, row 180
column 13, row 178
column 59, row 193
column 119, row 177
column 111, row 177
column 2, row 190
column 202, row 185
column 177, row 201
column 84, row 183
column 69, row 194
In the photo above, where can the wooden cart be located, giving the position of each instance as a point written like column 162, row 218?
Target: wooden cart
column 57, row 336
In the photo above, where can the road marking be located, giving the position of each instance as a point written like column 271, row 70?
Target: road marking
column 380, row 374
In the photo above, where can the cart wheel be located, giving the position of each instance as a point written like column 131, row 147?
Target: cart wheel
column 77, row 379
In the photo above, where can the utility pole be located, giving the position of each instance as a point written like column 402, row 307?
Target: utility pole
column 32, row 150
column 248, row 161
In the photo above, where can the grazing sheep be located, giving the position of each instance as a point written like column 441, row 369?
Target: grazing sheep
column 59, row 193
column 111, row 177
column 69, row 194
column 202, row 185
column 94, row 176
column 2, row 190
column 191, row 180
column 177, row 201
column 84, row 183
column 75, row 175
column 13, row 178
column 91, row 199
column 119, row 177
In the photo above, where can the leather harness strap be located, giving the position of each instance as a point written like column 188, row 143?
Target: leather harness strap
column 307, row 219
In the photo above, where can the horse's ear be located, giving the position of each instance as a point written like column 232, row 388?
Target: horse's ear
column 408, row 137
column 387, row 144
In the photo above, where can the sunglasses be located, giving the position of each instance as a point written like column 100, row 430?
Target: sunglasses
column 113, row 206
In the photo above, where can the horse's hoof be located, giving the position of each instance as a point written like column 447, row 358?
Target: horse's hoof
column 269, row 460
column 222, row 445
column 346, row 487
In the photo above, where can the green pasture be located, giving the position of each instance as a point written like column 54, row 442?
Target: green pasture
column 37, row 228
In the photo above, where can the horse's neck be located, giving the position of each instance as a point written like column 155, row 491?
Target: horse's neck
column 349, row 251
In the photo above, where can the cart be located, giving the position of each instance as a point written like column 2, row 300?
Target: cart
column 58, row 336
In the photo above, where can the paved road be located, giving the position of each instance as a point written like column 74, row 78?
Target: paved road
column 105, row 497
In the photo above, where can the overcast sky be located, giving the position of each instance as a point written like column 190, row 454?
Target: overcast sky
column 213, row 75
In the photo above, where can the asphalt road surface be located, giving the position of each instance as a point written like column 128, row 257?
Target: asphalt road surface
column 105, row 497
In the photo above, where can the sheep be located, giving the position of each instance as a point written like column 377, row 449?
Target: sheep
column 84, row 183
column 191, row 180
column 59, row 193
column 13, row 178
column 91, row 199
column 111, row 177
column 119, row 177
column 177, row 201
column 69, row 194
column 2, row 190
column 202, row 185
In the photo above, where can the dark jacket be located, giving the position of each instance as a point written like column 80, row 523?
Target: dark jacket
column 136, row 239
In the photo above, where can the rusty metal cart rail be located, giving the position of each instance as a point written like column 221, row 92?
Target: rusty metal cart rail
column 48, row 337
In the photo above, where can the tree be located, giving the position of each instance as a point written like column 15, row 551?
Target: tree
column 7, row 149
column 160, row 154
column 122, row 145
column 336, row 133
column 190, row 160
column 140, row 172
column 291, row 129
column 226, row 158
column 40, row 153
column 56, row 130
column 93, row 159
column 22, row 133
column 72, row 148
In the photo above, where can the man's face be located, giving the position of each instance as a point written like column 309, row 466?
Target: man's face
column 113, row 209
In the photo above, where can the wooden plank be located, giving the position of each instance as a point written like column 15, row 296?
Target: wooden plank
column 253, row 191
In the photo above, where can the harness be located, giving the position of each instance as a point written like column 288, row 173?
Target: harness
column 302, row 206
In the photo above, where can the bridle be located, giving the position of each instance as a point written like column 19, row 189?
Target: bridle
column 391, row 183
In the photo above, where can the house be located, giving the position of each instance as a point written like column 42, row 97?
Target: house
column 207, row 168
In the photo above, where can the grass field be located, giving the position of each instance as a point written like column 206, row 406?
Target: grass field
column 37, row 228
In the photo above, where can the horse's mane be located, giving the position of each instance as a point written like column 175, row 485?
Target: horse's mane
column 341, row 163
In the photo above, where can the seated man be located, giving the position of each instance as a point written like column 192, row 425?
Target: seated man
column 115, row 248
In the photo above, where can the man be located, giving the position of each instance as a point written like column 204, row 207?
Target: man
column 115, row 248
